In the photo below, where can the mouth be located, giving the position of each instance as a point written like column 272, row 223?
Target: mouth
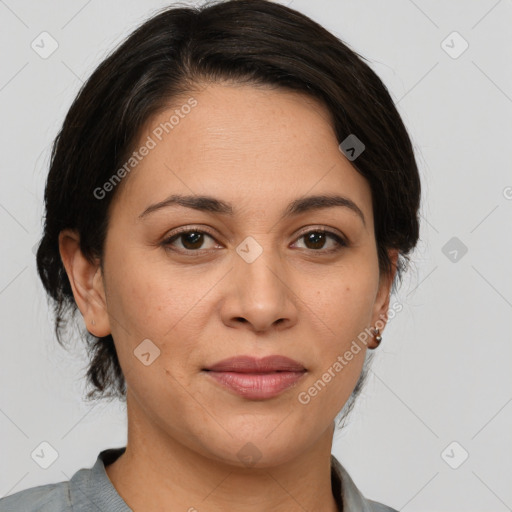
column 249, row 364
column 257, row 379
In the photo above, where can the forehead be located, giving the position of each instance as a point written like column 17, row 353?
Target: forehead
column 244, row 144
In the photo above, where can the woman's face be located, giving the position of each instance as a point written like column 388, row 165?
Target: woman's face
column 247, row 279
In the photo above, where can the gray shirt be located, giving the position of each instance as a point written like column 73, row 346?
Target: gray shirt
column 90, row 490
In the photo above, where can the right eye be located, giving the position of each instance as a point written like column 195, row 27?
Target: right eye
column 191, row 240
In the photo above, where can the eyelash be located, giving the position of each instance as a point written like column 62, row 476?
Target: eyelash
column 340, row 242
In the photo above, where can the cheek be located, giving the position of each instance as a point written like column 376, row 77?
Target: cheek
column 340, row 314
column 343, row 304
column 147, row 299
column 146, row 303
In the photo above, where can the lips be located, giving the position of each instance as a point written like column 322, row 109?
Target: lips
column 249, row 364
column 256, row 379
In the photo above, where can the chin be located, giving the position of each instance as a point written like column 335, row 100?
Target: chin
column 257, row 450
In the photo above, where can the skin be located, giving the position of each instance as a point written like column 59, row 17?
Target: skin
column 258, row 149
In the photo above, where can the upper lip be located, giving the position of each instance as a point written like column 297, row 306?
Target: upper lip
column 249, row 364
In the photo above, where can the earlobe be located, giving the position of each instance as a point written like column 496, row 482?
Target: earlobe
column 380, row 316
column 86, row 282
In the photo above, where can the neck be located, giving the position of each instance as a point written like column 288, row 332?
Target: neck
column 158, row 473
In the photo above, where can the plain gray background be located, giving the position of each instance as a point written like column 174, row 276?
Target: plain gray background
column 442, row 373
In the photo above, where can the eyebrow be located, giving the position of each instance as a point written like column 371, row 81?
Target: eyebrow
column 212, row 205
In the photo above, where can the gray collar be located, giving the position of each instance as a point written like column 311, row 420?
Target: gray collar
column 93, row 487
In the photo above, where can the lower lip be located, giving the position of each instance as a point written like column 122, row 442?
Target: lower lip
column 257, row 386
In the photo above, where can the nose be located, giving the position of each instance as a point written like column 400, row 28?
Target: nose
column 259, row 294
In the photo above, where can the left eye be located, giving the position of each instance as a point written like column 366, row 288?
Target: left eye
column 193, row 239
column 319, row 236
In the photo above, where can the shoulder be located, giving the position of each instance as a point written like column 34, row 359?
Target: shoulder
column 347, row 491
column 43, row 498
column 375, row 506
column 88, row 489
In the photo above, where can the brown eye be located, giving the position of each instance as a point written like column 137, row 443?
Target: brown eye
column 316, row 240
column 191, row 240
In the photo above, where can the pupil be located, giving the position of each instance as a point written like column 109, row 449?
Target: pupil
column 319, row 237
column 194, row 238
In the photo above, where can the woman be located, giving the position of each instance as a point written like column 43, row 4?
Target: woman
column 231, row 201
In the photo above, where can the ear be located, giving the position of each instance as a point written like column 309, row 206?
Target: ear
column 86, row 281
column 381, row 306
